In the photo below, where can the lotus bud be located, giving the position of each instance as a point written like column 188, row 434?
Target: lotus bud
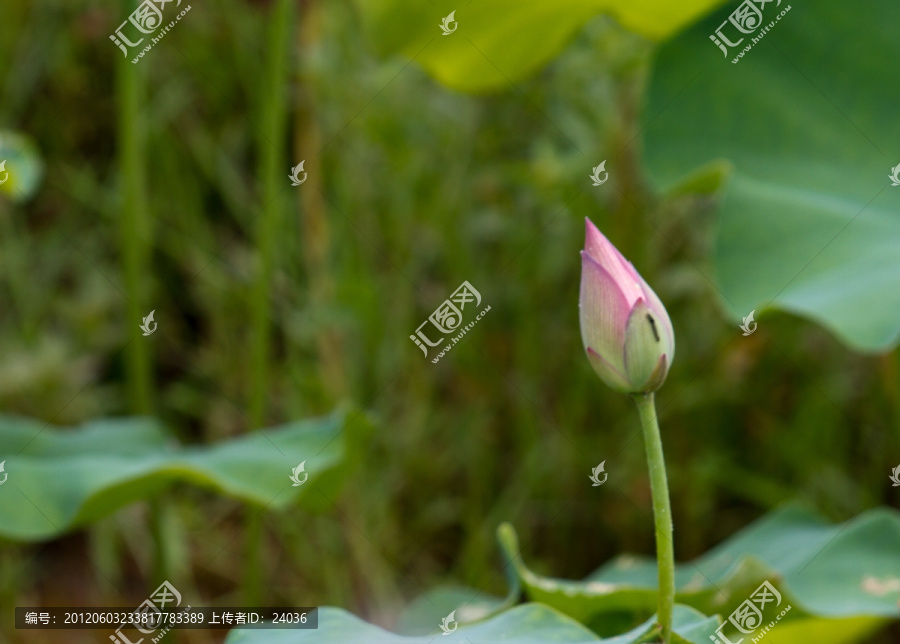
column 625, row 328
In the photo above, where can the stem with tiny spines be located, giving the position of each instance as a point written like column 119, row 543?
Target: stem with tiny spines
column 662, row 512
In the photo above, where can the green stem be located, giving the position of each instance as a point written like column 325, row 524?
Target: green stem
column 662, row 512
column 270, row 150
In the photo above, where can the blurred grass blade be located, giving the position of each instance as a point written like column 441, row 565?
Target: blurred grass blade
column 135, row 237
column 272, row 178
column 270, row 151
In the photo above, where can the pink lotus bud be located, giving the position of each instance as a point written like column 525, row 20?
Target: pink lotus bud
column 625, row 328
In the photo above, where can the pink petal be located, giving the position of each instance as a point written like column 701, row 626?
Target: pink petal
column 608, row 256
column 604, row 313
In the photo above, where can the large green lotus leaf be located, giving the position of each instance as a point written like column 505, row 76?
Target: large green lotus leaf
column 841, row 580
column 59, row 479
column 467, row 604
column 806, row 118
column 526, row 624
column 21, row 167
column 501, row 41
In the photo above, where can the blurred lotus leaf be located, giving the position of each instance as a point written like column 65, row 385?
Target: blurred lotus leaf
column 808, row 219
column 60, row 479
column 21, row 167
column 527, row 624
column 498, row 42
